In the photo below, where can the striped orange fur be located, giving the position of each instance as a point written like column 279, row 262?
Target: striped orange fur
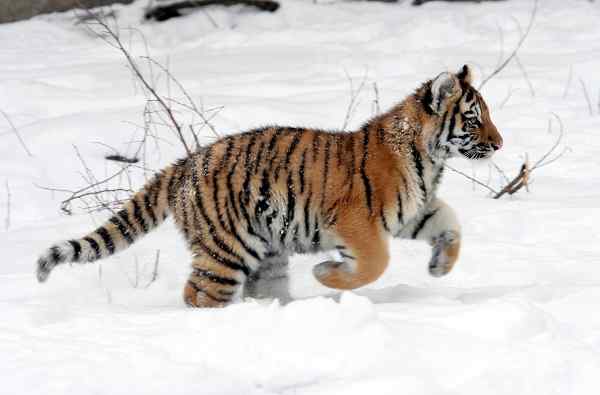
column 248, row 201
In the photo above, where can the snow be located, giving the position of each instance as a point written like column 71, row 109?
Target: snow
column 517, row 314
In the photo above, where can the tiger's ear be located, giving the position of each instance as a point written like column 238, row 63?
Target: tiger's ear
column 444, row 88
column 465, row 74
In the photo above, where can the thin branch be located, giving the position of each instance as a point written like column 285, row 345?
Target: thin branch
column 16, row 132
column 514, row 52
column 543, row 161
column 522, row 179
column 354, row 94
column 376, row 106
column 117, row 43
column 587, row 97
column 191, row 103
column 525, row 75
column 155, row 270
column 475, row 180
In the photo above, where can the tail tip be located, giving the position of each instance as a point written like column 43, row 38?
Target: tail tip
column 44, row 267
column 47, row 262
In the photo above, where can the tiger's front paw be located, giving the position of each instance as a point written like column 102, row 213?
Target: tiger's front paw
column 446, row 247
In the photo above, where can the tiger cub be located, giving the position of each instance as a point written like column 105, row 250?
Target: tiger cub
column 248, row 201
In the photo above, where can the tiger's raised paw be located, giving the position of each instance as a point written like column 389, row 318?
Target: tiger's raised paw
column 446, row 247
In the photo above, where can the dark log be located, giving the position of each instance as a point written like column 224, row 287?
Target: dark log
column 164, row 12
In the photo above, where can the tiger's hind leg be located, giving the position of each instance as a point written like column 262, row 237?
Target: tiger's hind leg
column 270, row 281
column 212, row 284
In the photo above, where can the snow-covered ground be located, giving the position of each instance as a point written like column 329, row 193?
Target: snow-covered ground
column 518, row 315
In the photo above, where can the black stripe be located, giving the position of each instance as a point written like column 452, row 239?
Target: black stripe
column 400, row 214
column 428, row 99
column 215, row 181
column 316, row 239
column 124, row 216
column 325, row 169
column 215, row 278
column 347, row 255
column 380, row 135
column 291, row 208
column 108, row 241
column 259, row 157
column 122, row 229
column 247, row 173
column 94, row 245
column 235, row 234
column 363, row 173
column 340, row 247
column 222, row 260
column 419, row 168
column 307, row 215
column 422, row 223
column 301, row 172
column 231, row 191
column 212, row 229
column 248, row 222
column 384, row 221
column 156, row 189
column 76, row 249
column 137, row 215
column 55, row 254
column 288, row 155
column 470, row 95
column 197, row 288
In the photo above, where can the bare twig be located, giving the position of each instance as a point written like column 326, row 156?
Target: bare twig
column 514, row 52
column 587, row 97
column 473, row 179
column 522, row 179
column 507, row 98
column 191, row 104
column 90, row 190
column 525, row 75
column 16, row 132
column 115, row 41
column 354, row 94
column 517, row 183
column 376, row 108
column 155, row 270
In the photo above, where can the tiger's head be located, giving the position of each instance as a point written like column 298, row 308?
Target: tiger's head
column 462, row 123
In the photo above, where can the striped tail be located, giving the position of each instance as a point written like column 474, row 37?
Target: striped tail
column 145, row 211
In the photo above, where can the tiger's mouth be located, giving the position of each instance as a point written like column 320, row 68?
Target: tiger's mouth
column 479, row 152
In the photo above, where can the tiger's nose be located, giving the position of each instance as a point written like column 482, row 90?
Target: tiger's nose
column 497, row 146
